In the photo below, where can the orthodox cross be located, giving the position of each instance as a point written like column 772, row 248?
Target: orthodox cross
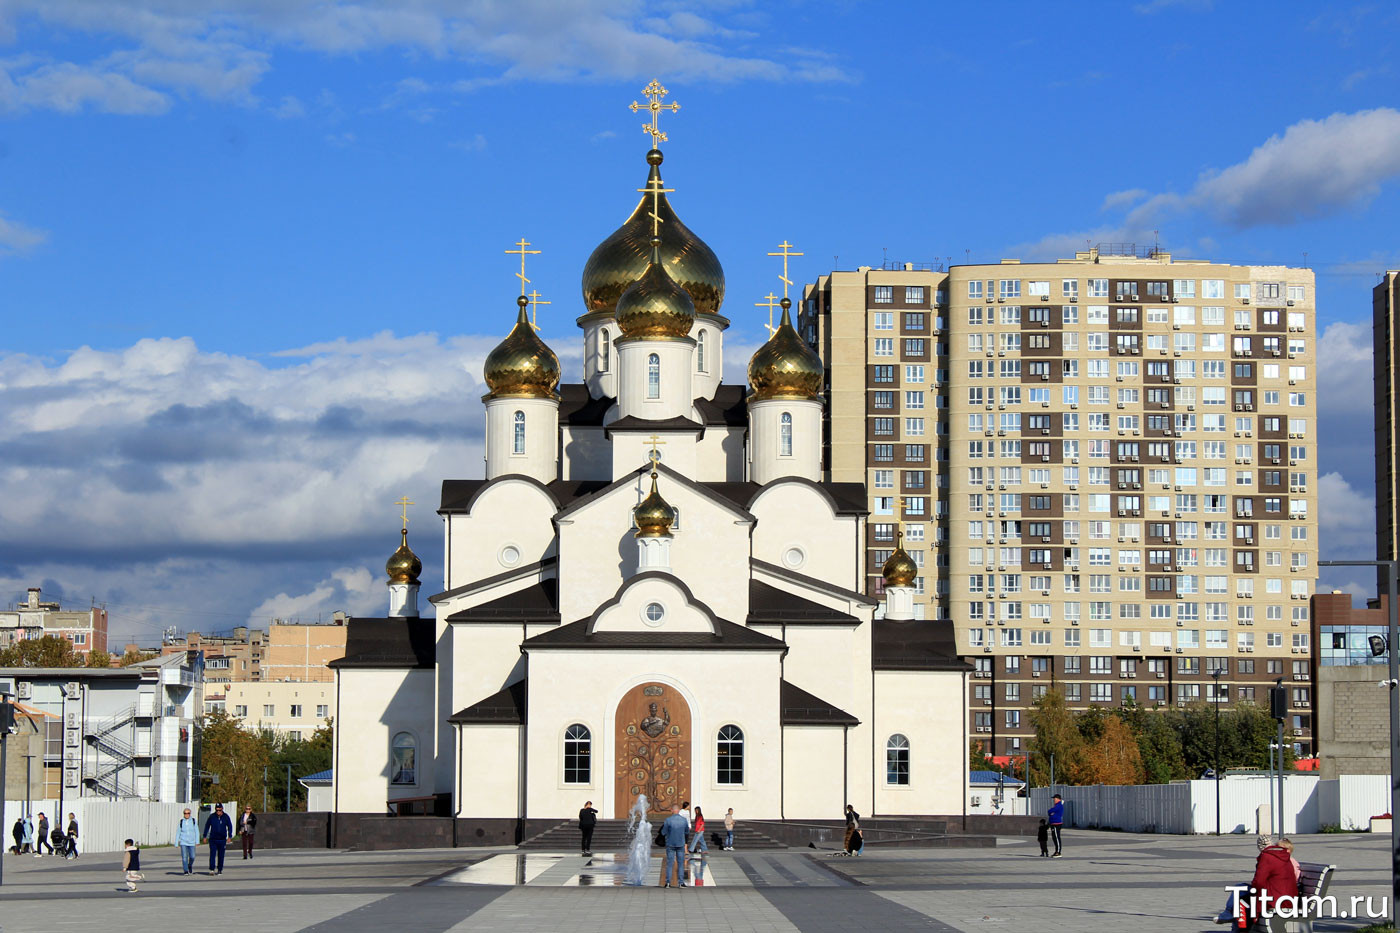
column 534, row 297
column 655, row 455
column 786, row 252
column 404, row 502
column 770, row 302
column 522, row 252
column 653, row 92
column 656, row 188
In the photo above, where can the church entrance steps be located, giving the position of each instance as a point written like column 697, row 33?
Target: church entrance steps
column 612, row 836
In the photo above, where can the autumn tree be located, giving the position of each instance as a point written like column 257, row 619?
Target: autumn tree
column 99, row 659
column 236, row 755
column 1057, row 733
column 977, row 759
column 134, row 656
column 48, row 651
column 1113, row 758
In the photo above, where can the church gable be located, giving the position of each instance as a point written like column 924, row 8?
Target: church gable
column 651, row 602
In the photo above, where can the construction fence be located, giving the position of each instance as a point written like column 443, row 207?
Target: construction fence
column 103, row 824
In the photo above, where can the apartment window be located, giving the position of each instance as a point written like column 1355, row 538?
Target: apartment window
column 914, row 453
column 884, row 425
column 974, row 290
column 884, row 453
column 296, row 710
column 269, row 711
column 883, row 373
column 884, row 294
column 884, row 346
column 241, row 711
column 914, row 346
column 913, row 320
column 883, row 320
column 322, row 710
column 913, row 294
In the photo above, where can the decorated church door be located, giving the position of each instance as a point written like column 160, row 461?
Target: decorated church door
column 653, row 749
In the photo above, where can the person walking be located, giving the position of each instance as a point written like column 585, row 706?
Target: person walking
column 28, row 834
column 587, row 819
column 1056, row 815
column 246, row 824
column 72, row 836
column 187, row 837
column 18, row 834
column 217, row 831
column 674, row 830
column 729, row 830
column 852, row 821
column 42, row 837
column 697, row 842
column 131, row 865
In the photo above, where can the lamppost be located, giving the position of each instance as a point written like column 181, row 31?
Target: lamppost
column 1392, row 577
column 1215, row 698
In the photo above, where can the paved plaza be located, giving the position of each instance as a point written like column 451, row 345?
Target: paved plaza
column 1107, row 881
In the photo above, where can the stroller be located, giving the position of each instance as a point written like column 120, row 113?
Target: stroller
column 62, row 845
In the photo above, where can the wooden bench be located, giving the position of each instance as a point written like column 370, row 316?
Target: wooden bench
column 1313, row 881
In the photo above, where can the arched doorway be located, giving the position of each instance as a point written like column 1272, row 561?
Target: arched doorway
column 653, row 748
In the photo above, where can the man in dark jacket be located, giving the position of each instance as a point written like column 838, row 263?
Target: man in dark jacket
column 247, row 823
column 1057, row 822
column 41, row 837
column 587, row 819
column 217, row 831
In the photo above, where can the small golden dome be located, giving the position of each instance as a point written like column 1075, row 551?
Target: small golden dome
column 653, row 515
column 403, row 566
column 522, row 366
column 655, row 306
column 621, row 259
column 900, row 569
column 785, row 367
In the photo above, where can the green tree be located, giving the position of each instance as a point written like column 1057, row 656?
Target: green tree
column 134, row 656
column 977, row 759
column 1158, row 741
column 236, row 755
column 1057, row 733
column 305, row 756
column 99, row 659
column 48, row 651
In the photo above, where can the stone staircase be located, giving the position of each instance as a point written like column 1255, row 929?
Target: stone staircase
column 612, row 836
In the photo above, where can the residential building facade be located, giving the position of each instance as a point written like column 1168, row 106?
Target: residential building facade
column 1104, row 466
column 300, row 652
column 233, row 658
column 1384, row 298
column 289, row 708
column 86, row 629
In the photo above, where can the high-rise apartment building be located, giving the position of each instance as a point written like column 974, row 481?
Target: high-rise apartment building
column 1106, row 466
column 1385, row 347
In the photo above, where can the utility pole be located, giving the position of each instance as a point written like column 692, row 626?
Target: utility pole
column 28, row 759
column 289, row 789
column 264, row 809
column 7, row 722
column 1215, row 697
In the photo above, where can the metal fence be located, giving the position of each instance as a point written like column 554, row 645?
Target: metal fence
column 103, row 825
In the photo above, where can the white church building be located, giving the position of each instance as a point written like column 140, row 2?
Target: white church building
column 652, row 590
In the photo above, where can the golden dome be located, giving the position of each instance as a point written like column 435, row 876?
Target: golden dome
column 621, row 259
column 785, row 367
column 653, row 515
column 403, row 566
column 655, row 306
column 522, row 366
column 900, row 569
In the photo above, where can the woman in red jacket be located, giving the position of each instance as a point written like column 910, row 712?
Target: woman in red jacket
column 1274, row 877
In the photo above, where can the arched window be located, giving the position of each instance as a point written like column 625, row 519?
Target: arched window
column 897, row 760
column 604, row 350
column 700, row 342
column 785, row 435
column 578, row 755
column 729, row 751
column 404, row 768
column 519, row 432
column 653, row 376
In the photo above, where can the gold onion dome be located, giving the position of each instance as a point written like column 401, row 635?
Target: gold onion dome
column 522, row 366
column 403, row 566
column 653, row 515
column 621, row 259
column 785, row 367
column 900, row 569
column 655, row 306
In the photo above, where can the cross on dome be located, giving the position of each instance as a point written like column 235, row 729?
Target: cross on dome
column 653, row 92
column 404, row 502
column 770, row 302
column 656, row 188
column 535, row 300
column 522, row 252
column 655, row 455
column 785, row 251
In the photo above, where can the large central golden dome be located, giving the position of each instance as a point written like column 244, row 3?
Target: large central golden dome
column 655, row 306
column 522, row 365
column 622, row 258
column 785, row 367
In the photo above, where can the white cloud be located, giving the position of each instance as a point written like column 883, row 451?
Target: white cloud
column 290, row 108
column 1346, row 518
column 353, row 590
column 1122, row 198
column 70, row 88
column 15, row 237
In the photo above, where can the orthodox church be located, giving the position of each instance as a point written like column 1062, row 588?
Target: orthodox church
column 652, row 590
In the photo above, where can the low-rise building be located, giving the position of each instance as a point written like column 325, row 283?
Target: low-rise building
column 298, row 651
column 1352, row 715
column 86, row 629
column 233, row 658
column 123, row 732
column 292, row 709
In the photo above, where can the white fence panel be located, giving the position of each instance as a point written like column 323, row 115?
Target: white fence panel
column 103, row 824
column 1360, row 797
column 1190, row 806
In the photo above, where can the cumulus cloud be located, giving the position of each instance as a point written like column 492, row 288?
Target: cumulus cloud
column 165, row 476
column 1346, row 518
column 220, row 51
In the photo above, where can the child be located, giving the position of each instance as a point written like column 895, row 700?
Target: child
column 131, row 864
column 1043, row 834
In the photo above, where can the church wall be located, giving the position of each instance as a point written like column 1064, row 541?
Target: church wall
column 374, row 705
column 489, row 783
column 600, row 357
column 765, row 452
column 929, row 708
column 632, row 449
column 795, row 516
column 485, row 658
column 707, row 379
column 720, row 456
column 510, row 514
column 676, row 395
column 598, row 551
column 722, row 687
column 585, row 454
column 813, row 779
column 538, row 453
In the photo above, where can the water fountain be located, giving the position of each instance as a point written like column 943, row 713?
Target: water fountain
column 639, row 846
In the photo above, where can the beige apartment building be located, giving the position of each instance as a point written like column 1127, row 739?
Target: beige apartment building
column 1106, row 466
column 300, row 652
column 290, row 708
column 86, row 629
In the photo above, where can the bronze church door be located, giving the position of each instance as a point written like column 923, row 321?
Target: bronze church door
column 653, row 748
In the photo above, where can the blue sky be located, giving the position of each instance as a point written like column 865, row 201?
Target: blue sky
column 251, row 253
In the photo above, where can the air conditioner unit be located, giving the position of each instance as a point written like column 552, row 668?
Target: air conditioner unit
column 71, row 689
column 24, row 691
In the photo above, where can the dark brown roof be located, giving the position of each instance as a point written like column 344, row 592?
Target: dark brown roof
column 524, row 570
column 503, row 707
column 769, row 604
column 917, row 645
column 727, row 409
column 538, row 602
column 577, row 407
column 705, row 489
column 800, row 708
column 727, row 636
column 812, row 582
column 389, row 643
column 633, row 423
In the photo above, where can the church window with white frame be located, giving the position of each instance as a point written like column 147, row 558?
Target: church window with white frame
column 897, row 760
column 653, row 376
column 729, row 756
column 785, row 435
column 519, row 443
column 578, row 755
column 404, row 765
column 700, row 342
column 604, row 350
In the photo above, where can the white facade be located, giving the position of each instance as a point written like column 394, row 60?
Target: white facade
column 522, row 438
column 785, row 439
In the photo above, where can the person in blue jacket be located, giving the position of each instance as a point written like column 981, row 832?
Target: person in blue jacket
column 187, row 837
column 218, row 829
column 1057, row 821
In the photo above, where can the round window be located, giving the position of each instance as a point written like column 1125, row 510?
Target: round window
column 794, row 557
column 653, row 613
column 510, row 555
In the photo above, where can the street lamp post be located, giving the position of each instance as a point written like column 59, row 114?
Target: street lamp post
column 1392, row 577
column 1215, row 698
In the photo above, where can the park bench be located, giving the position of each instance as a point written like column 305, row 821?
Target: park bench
column 1313, row 881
